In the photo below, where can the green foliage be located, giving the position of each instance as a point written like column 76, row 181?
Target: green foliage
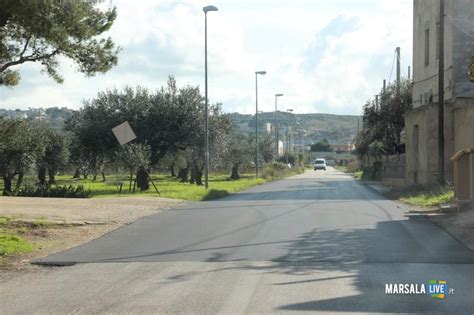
column 287, row 158
column 56, row 155
column 215, row 194
column 279, row 170
column 11, row 244
column 321, row 146
column 66, row 191
column 372, row 172
column 352, row 167
column 20, row 146
column 43, row 30
column 383, row 125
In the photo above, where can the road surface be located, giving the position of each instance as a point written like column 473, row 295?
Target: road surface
column 317, row 242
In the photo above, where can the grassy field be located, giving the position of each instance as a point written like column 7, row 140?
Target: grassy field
column 219, row 186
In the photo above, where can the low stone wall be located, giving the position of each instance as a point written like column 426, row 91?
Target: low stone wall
column 393, row 170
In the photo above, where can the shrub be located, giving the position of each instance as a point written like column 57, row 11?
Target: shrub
column 66, row 191
column 279, row 170
column 352, row 167
column 215, row 194
column 373, row 172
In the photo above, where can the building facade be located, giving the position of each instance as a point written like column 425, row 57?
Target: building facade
column 422, row 121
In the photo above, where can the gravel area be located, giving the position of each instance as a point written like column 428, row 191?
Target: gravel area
column 111, row 213
column 111, row 210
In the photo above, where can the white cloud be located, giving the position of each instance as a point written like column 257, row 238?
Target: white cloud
column 318, row 66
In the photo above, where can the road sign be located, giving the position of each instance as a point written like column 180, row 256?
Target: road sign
column 124, row 133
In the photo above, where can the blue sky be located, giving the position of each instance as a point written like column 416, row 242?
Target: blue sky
column 326, row 56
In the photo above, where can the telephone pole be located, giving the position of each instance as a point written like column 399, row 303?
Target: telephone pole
column 441, row 95
column 398, row 69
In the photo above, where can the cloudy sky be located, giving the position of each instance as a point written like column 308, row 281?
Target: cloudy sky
column 326, row 56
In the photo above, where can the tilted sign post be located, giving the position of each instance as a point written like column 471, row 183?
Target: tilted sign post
column 124, row 134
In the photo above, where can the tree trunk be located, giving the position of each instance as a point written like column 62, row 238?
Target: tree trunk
column 42, row 175
column 235, row 172
column 142, row 179
column 77, row 173
column 193, row 174
column 199, row 177
column 183, row 174
column 7, row 186
column 103, row 176
column 173, row 174
column 130, row 183
column 21, row 175
column 52, row 179
column 196, row 174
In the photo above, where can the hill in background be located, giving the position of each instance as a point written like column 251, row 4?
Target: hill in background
column 337, row 129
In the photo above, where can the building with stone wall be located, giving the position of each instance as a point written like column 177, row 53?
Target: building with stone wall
column 422, row 121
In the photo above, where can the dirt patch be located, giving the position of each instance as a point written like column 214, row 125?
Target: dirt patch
column 112, row 213
column 120, row 210
column 461, row 225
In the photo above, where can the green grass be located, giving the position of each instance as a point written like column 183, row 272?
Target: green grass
column 341, row 168
column 358, row 174
column 12, row 244
column 4, row 221
column 169, row 187
column 424, row 196
column 219, row 186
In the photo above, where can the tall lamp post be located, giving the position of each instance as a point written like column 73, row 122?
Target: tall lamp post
column 276, row 124
column 206, row 9
column 256, row 119
column 289, row 110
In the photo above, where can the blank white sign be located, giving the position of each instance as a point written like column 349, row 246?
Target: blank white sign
column 124, row 133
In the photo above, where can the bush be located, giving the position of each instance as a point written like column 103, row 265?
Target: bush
column 352, row 167
column 279, row 170
column 373, row 172
column 66, row 191
column 215, row 194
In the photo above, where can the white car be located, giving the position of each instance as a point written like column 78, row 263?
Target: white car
column 319, row 164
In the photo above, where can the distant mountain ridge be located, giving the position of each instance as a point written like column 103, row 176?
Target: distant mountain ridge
column 337, row 129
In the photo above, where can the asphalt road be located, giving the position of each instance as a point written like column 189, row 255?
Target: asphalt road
column 317, row 242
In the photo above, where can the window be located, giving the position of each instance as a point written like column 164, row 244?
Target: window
column 427, row 47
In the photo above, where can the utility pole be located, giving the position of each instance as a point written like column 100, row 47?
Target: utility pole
column 377, row 102
column 409, row 72
column 398, row 69
column 441, row 95
column 384, row 85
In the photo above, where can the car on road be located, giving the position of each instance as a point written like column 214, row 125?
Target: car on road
column 319, row 164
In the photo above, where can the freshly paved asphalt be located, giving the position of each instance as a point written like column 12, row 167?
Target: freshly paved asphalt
column 317, row 242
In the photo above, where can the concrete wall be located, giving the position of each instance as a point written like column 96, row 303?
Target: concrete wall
column 422, row 159
column 464, row 124
column 463, row 46
column 425, row 77
column 421, row 154
column 393, row 171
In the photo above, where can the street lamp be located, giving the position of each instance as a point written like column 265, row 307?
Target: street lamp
column 289, row 110
column 256, row 119
column 206, row 9
column 276, row 130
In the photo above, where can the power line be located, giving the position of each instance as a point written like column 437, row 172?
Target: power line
column 391, row 71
